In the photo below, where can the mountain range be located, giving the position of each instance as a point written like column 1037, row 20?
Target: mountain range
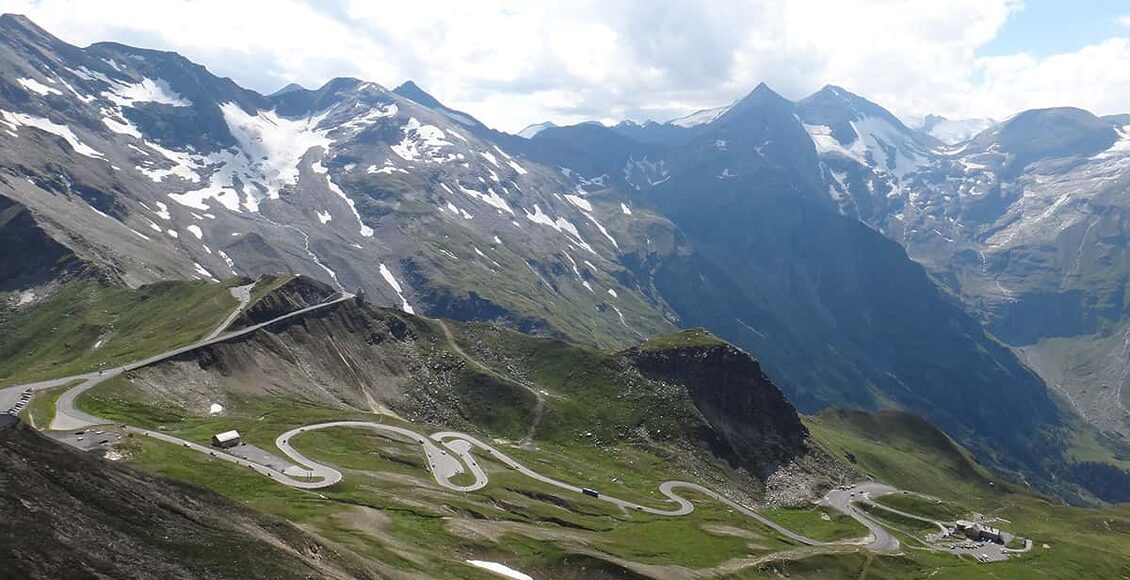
column 863, row 262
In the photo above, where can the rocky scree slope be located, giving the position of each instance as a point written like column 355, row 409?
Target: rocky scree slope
column 146, row 163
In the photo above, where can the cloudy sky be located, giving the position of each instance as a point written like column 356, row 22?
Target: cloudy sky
column 516, row 62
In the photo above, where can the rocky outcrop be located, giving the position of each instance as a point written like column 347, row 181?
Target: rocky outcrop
column 291, row 295
column 756, row 426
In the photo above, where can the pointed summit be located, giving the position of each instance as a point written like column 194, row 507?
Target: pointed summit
column 833, row 104
column 760, row 101
column 763, row 93
column 410, row 90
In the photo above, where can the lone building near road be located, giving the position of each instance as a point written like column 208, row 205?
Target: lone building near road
column 226, row 439
column 979, row 532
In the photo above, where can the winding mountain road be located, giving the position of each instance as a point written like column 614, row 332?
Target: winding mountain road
column 448, row 453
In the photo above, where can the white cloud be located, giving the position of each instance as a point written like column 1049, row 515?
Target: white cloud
column 513, row 62
column 1124, row 20
column 1088, row 78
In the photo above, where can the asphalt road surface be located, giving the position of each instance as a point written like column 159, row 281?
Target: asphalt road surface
column 844, row 500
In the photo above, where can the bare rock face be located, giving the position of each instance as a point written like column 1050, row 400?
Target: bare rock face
column 291, row 294
column 756, row 426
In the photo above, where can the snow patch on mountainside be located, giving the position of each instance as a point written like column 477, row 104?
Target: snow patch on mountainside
column 270, row 148
column 638, row 171
column 184, row 164
column 500, row 569
column 877, row 144
column 700, row 117
column 532, row 130
column 490, row 198
column 461, row 119
column 369, row 117
column 490, row 157
column 422, row 143
column 320, row 169
column 560, row 224
column 586, row 210
column 145, row 91
column 121, row 128
column 16, row 120
column 391, row 280
column 579, row 202
column 37, row 87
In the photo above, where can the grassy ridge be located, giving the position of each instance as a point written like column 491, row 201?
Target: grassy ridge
column 686, row 338
column 903, row 450
column 85, row 324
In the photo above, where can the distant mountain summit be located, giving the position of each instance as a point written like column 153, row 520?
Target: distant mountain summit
column 290, row 88
column 953, row 131
column 530, row 131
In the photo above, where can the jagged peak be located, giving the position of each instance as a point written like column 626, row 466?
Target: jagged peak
column 836, row 94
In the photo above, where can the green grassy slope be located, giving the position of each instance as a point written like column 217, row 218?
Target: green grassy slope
column 85, row 324
column 904, row 450
column 1071, row 543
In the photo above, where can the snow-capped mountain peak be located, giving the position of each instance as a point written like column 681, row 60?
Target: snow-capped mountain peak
column 954, row 131
column 700, row 117
column 531, row 130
